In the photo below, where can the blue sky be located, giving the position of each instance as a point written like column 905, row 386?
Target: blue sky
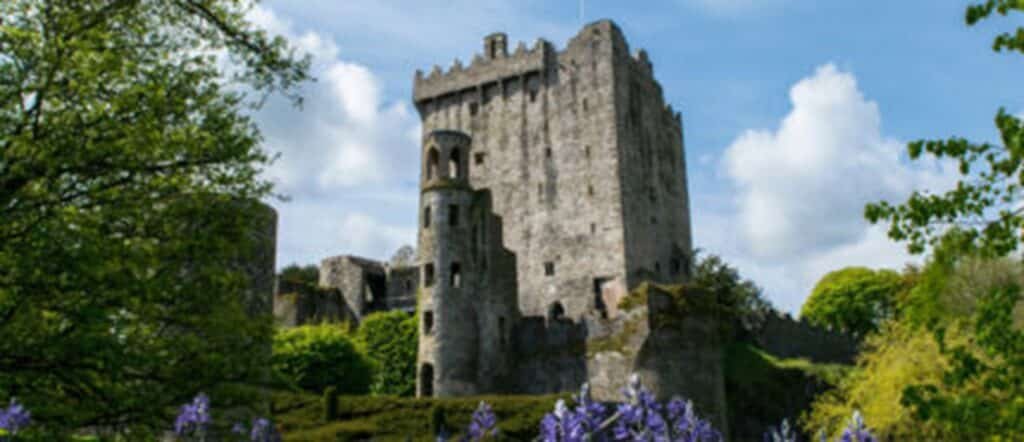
column 796, row 113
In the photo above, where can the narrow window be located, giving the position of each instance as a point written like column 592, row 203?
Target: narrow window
column 426, row 217
column 549, row 269
column 501, row 331
column 651, row 195
column 428, row 275
column 547, row 152
column 654, row 220
column 474, row 108
column 540, row 190
column 478, row 158
column 432, row 160
column 590, row 190
column 676, row 266
column 428, row 322
column 453, row 215
column 586, row 151
column 408, row 286
column 593, row 228
column 657, row 267
column 585, row 107
column 455, row 277
column 454, row 165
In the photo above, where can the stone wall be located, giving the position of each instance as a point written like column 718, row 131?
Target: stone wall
column 297, row 303
column 786, row 337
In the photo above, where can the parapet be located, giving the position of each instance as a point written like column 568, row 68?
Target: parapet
column 492, row 66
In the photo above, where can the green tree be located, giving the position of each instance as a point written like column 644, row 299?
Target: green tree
column 126, row 161
column 390, row 340
column 853, row 300
column 980, row 395
column 986, row 203
column 307, row 274
column 315, row 357
column 741, row 298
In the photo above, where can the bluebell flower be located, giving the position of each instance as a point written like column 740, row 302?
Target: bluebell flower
column 194, row 417
column 14, row 417
column 263, row 431
column 482, row 423
column 856, row 431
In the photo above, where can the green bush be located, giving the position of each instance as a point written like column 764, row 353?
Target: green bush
column 390, row 341
column 315, row 357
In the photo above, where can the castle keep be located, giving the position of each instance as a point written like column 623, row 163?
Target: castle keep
column 554, row 234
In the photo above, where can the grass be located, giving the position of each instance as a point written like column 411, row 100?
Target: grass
column 386, row 418
column 762, row 390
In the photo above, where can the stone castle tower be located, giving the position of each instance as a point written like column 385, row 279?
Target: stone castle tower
column 582, row 156
column 552, row 183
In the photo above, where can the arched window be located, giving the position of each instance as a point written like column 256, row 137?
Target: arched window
column 454, row 165
column 432, row 160
column 556, row 311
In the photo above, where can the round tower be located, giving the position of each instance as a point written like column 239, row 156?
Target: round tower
column 448, row 348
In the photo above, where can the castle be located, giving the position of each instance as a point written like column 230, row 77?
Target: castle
column 552, row 193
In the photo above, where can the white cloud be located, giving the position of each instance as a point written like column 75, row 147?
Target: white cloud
column 801, row 190
column 344, row 136
column 344, row 156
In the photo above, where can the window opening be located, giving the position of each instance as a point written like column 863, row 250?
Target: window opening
column 428, row 275
column 455, row 276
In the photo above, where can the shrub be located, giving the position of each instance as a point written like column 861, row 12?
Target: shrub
column 390, row 340
column 315, row 357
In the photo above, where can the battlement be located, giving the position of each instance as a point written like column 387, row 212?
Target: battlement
column 493, row 66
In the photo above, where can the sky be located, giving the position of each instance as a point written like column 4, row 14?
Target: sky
column 796, row 114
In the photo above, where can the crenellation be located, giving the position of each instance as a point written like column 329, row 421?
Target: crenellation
column 482, row 71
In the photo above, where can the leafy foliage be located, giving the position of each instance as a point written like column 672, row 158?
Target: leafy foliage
column 981, row 394
column 986, row 201
column 897, row 356
column 391, row 342
column 321, row 356
column 740, row 298
column 126, row 164
column 307, row 274
column 853, row 300
column 404, row 256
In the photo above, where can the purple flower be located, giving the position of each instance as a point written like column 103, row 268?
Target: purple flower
column 856, row 431
column 14, row 417
column 577, row 424
column 194, row 417
column 482, row 423
column 263, row 431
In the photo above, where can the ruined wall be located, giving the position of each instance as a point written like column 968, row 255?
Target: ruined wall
column 786, row 337
column 402, row 283
column 362, row 282
column 297, row 303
